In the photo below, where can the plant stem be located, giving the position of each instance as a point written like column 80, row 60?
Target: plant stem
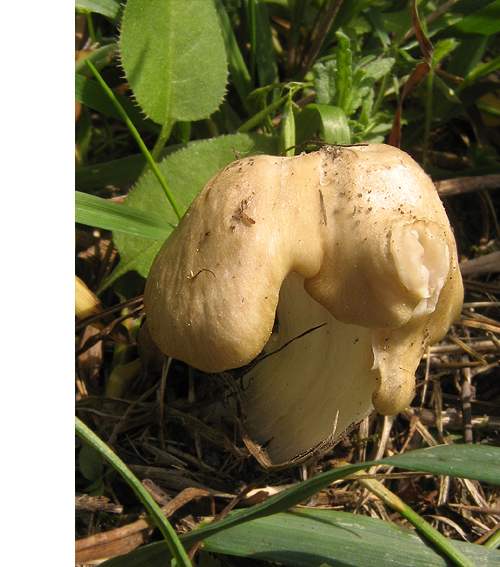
column 494, row 541
column 262, row 115
column 380, row 95
column 163, row 524
column 138, row 139
column 90, row 26
column 428, row 116
column 166, row 129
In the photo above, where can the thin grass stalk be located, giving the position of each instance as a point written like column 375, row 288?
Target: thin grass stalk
column 152, row 507
column 494, row 541
column 439, row 540
column 138, row 139
column 261, row 116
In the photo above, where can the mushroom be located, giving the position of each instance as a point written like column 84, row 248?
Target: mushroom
column 348, row 249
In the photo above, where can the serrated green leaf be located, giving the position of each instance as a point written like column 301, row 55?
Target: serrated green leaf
column 343, row 75
column 119, row 172
column 441, row 49
column 324, row 82
column 186, row 172
column 342, row 83
column 174, row 58
column 377, row 69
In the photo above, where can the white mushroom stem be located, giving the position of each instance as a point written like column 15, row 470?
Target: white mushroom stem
column 296, row 393
column 363, row 232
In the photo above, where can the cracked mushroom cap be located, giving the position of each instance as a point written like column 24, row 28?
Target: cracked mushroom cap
column 362, row 230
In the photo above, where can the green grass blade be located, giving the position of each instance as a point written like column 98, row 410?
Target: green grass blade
column 312, row 537
column 494, row 541
column 237, row 67
column 261, row 116
column 94, row 211
column 112, row 9
column 138, row 139
column 485, row 22
column 309, row 537
column 480, row 71
column 163, row 524
column 265, row 54
column 477, row 462
column 468, row 461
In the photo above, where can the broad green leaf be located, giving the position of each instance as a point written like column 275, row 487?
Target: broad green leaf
column 90, row 463
column 90, row 93
column 308, row 537
column 485, row 22
column 329, row 120
column 441, row 49
column 95, row 211
column 375, row 18
column 119, row 172
column 467, row 57
column 365, row 75
column 109, row 8
column 185, row 172
column 377, row 69
column 481, row 71
column 477, row 462
column 174, row 59
column 324, row 82
column 346, row 84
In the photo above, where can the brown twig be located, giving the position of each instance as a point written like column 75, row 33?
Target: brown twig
column 459, row 185
column 324, row 28
column 122, row 540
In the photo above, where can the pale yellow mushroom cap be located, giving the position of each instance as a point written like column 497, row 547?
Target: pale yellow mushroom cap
column 364, row 232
